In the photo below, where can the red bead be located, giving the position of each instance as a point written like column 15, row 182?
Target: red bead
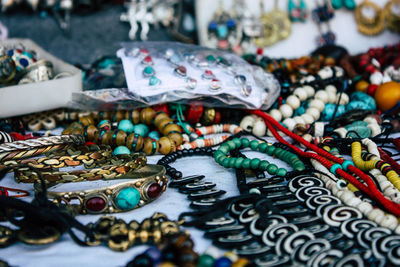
column 148, row 60
column 208, row 73
column 223, row 44
column 89, row 143
column 194, row 112
column 371, row 89
column 95, row 204
column 260, row 51
column 370, row 68
column 154, row 190
column 144, row 51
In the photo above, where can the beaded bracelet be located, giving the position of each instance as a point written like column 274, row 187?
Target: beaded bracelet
column 144, row 185
column 221, row 158
column 112, row 167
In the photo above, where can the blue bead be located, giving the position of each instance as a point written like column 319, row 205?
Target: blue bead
column 126, row 126
column 121, row 150
column 231, row 23
column 127, row 198
column 222, row 31
column 155, row 254
column 141, row 129
column 223, row 262
column 212, row 26
column 154, row 135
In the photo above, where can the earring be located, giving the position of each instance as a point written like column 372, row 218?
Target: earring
column 338, row 4
column 392, row 15
column 321, row 16
column 297, row 12
column 370, row 18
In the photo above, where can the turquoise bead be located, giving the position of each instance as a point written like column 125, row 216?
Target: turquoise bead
column 141, row 129
column 231, row 145
column 350, row 4
column 121, row 150
column 337, row 4
column 245, row 142
column 335, row 167
column 205, row 260
column 154, row 135
column 220, row 159
column 271, row 150
column 148, row 71
column 127, row 198
column 126, row 126
column 346, row 164
column 254, row 145
column 154, row 81
column 217, row 154
column 222, row 31
column 254, row 163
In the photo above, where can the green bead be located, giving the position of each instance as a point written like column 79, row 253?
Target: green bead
column 239, row 162
column 217, row 154
column 224, row 149
column 210, row 58
column 246, row 163
column 271, row 150
column 127, row 198
column 263, row 147
column 245, row 142
column 237, row 142
column 232, row 162
column 225, row 162
column 281, row 172
column 220, row 159
column 121, row 150
column 264, row 165
column 272, row 169
column 254, row 145
column 205, row 260
column 254, row 163
column 231, row 145
column 300, row 167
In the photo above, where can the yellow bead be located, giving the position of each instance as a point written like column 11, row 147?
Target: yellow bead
column 166, row 264
column 240, row 263
column 232, row 256
column 362, row 86
column 387, row 95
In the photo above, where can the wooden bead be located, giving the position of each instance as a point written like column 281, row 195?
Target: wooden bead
column 92, row 133
column 134, row 142
column 150, row 146
column 106, row 139
column 162, row 123
column 121, row 138
column 159, row 117
column 146, row 115
column 120, row 115
column 171, row 127
column 86, row 120
column 166, row 145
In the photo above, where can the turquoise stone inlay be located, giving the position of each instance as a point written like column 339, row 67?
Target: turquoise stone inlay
column 127, row 198
column 154, row 81
column 222, row 31
column 121, row 150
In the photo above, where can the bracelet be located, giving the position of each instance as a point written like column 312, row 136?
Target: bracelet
column 112, row 167
column 34, row 147
column 144, row 185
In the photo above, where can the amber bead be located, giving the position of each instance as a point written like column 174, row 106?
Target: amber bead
column 86, row 120
column 166, row 145
column 91, row 132
column 121, row 138
column 240, row 262
column 120, row 115
column 147, row 115
column 329, row 61
column 387, row 95
column 135, row 114
column 161, row 123
column 150, row 146
column 106, row 139
column 176, row 137
column 72, row 127
column 106, row 115
column 362, row 86
column 171, row 127
column 134, row 142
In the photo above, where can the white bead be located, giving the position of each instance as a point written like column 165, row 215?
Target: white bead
column 341, row 132
column 307, row 137
column 376, row 215
column 322, row 95
column 375, row 172
column 386, row 78
column 298, row 120
column 396, row 199
column 397, row 230
column 318, row 104
column 286, row 110
column 213, row 252
column 331, row 97
column 259, row 128
column 390, row 191
column 375, row 129
column 365, row 208
column 390, row 221
column 290, row 123
column 300, row 93
column 347, row 196
column 381, row 178
column 335, row 190
column 354, row 202
column 385, row 184
column 331, row 88
column 314, row 112
column 319, row 129
column 293, row 101
column 339, row 71
column 325, row 73
column 376, row 78
column 276, row 114
column 247, row 123
column 309, row 90
column 340, row 193
column 308, row 119
column 344, row 99
column 330, row 184
column 370, row 120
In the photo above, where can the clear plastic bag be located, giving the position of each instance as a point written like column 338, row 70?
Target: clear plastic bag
column 159, row 72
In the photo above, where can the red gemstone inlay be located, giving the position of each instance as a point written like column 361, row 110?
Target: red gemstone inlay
column 154, row 190
column 95, row 204
column 144, row 51
column 182, row 69
column 148, row 59
column 208, row 73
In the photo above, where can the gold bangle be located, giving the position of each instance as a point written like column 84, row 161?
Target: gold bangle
column 143, row 186
column 112, row 167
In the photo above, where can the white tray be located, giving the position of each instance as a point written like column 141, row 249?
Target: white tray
column 35, row 97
